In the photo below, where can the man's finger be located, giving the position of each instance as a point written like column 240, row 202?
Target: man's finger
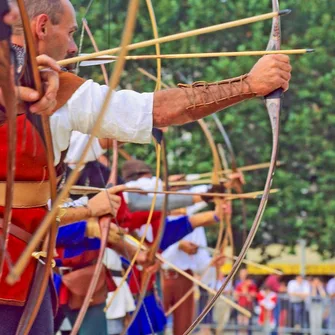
column 26, row 94
column 281, row 58
column 43, row 106
column 52, row 80
column 117, row 189
column 46, row 61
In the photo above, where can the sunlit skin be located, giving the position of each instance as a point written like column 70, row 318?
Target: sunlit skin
column 57, row 40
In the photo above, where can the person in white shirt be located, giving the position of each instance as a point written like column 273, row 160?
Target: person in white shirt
column 124, row 302
column 298, row 290
column 331, row 292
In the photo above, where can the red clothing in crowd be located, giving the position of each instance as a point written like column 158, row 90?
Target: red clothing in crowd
column 273, row 283
column 267, row 301
column 246, row 292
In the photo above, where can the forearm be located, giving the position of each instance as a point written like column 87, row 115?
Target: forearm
column 124, row 248
column 202, row 219
column 188, row 103
column 71, row 215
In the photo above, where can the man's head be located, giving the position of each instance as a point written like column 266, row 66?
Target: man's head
column 243, row 274
column 53, row 23
column 299, row 279
column 135, row 169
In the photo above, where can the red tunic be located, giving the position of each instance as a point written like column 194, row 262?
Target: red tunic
column 31, row 165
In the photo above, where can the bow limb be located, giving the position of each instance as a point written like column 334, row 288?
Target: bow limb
column 160, row 146
column 105, row 221
column 215, row 177
column 227, row 214
column 238, row 185
column 273, row 104
column 31, row 78
column 8, row 94
column 145, row 280
column 113, row 83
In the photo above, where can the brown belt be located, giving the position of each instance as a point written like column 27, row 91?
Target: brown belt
column 17, row 232
column 172, row 274
column 27, row 194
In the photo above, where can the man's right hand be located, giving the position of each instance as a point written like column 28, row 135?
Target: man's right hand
column 269, row 73
column 106, row 202
column 188, row 247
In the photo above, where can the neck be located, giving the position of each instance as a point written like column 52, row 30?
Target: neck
column 18, row 40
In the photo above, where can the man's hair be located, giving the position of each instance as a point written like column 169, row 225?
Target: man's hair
column 52, row 8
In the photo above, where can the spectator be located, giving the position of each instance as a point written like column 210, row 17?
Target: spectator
column 222, row 310
column 331, row 292
column 267, row 300
column 274, row 284
column 316, row 307
column 245, row 294
column 298, row 290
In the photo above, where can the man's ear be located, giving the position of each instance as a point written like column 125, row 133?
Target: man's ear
column 42, row 26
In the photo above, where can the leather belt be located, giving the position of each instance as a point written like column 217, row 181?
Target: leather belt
column 27, row 194
column 17, row 232
column 172, row 274
column 115, row 273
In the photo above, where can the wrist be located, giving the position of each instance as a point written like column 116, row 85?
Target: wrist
column 216, row 218
column 89, row 212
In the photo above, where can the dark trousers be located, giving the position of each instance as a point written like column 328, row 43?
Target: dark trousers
column 43, row 325
column 94, row 322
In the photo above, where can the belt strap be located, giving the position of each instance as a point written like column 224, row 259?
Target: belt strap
column 116, row 273
column 17, row 232
column 27, row 194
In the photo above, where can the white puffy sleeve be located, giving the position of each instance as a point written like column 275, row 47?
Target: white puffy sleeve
column 128, row 118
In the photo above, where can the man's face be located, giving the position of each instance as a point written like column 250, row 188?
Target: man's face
column 243, row 274
column 59, row 42
column 299, row 279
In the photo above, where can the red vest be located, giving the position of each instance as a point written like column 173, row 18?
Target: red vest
column 31, row 165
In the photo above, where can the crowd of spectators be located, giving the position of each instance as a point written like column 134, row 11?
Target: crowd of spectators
column 302, row 305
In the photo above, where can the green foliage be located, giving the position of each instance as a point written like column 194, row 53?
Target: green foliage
column 305, row 207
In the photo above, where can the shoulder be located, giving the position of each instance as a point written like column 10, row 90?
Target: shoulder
column 69, row 83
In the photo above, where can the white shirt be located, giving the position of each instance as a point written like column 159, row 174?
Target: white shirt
column 128, row 118
column 78, row 142
column 295, row 287
column 123, row 303
column 331, row 286
column 198, row 262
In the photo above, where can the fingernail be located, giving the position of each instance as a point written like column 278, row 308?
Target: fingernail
column 33, row 95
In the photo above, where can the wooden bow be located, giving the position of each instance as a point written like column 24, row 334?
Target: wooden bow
column 238, row 184
column 10, row 102
column 31, row 78
column 273, row 104
column 161, row 148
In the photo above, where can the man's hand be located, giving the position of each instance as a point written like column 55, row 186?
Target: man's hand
column 188, row 247
column 106, row 202
column 218, row 261
column 46, row 104
column 269, row 73
column 93, row 231
column 224, row 207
